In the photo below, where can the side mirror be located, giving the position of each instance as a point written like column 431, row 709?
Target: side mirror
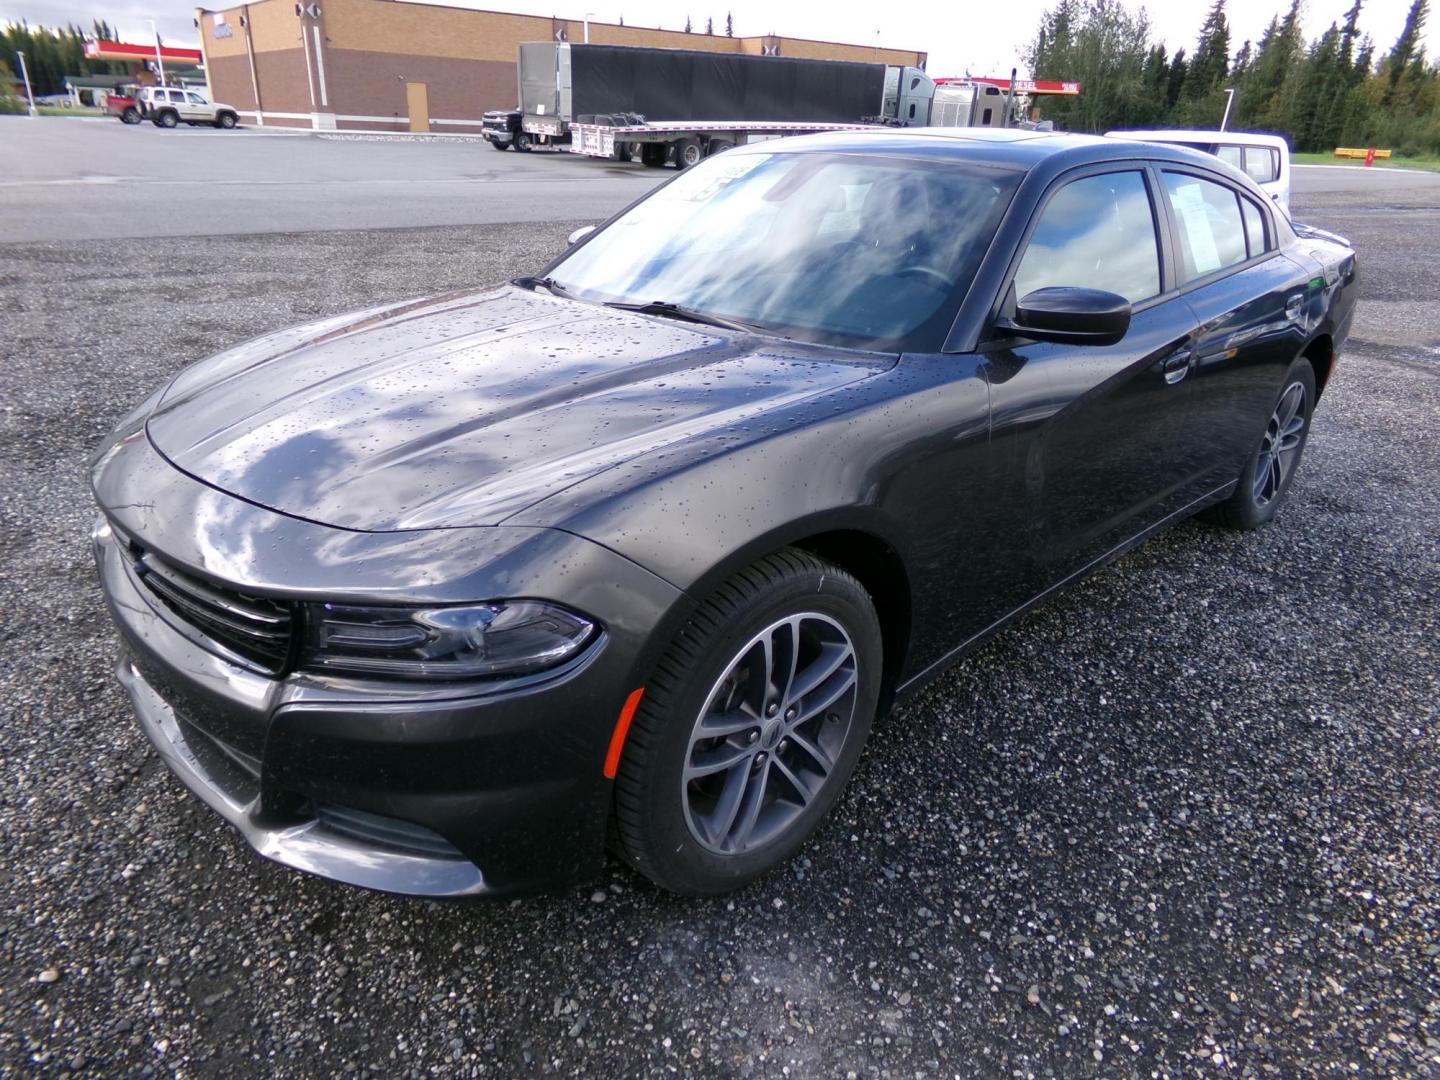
column 580, row 234
column 1072, row 316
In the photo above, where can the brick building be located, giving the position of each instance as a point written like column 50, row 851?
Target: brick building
column 387, row 65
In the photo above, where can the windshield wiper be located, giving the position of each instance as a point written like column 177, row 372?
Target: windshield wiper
column 676, row 311
column 547, row 283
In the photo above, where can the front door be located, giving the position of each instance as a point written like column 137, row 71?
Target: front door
column 1087, row 433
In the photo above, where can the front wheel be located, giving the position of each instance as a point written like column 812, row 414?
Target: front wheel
column 130, row 115
column 1270, row 469
column 226, row 120
column 523, row 142
column 495, row 144
column 750, row 726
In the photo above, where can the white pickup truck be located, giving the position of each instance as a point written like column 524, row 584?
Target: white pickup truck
column 1264, row 158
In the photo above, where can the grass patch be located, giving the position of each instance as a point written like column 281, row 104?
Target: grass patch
column 1429, row 163
column 60, row 110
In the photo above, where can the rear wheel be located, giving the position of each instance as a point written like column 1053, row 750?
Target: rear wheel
column 687, row 153
column 750, row 726
column 653, row 154
column 1270, row 469
column 167, row 119
column 717, row 146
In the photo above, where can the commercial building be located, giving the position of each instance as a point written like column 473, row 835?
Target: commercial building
column 390, row 65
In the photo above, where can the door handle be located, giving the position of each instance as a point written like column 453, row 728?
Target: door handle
column 1293, row 307
column 1177, row 365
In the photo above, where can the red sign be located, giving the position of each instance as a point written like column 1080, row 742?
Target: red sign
column 122, row 50
column 1022, row 86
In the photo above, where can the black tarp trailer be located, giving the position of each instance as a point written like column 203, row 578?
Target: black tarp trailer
column 620, row 101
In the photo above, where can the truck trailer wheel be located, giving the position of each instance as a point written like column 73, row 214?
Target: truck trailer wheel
column 687, row 153
column 717, row 146
column 653, row 154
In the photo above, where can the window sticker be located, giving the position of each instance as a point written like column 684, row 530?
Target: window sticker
column 1194, row 214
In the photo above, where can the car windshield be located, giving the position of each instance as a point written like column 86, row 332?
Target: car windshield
column 852, row 250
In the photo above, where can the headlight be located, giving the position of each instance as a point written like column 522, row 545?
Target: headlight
column 511, row 637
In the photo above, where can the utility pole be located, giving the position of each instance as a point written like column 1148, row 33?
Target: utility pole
column 587, row 26
column 1229, row 100
column 25, row 74
column 159, row 60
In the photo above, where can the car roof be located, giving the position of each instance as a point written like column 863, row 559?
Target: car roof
column 1243, row 138
column 1009, row 148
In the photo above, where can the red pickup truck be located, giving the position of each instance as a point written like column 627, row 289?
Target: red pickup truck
column 124, row 104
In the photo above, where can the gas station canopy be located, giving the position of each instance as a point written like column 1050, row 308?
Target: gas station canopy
column 121, row 50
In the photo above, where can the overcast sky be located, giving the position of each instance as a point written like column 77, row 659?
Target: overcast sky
column 983, row 39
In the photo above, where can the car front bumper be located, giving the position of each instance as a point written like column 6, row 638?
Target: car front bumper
column 441, row 790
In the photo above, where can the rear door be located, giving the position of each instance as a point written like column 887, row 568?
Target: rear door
column 1087, row 433
column 1253, row 306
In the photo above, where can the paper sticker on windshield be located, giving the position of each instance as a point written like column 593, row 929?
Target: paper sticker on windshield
column 717, row 175
column 1194, row 213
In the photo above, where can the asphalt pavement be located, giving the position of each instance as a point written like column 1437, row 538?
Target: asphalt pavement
column 1182, row 821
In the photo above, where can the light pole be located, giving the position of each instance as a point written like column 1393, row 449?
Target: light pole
column 29, row 93
column 159, row 60
column 587, row 25
column 1229, row 100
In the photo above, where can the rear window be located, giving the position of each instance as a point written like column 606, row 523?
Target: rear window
column 1212, row 233
column 1262, row 164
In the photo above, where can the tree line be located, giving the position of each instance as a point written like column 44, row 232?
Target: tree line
column 1334, row 90
column 51, row 54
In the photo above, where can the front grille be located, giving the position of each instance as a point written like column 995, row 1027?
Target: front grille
column 253, row 627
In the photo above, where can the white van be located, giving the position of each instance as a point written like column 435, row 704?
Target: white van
column 1264, row 158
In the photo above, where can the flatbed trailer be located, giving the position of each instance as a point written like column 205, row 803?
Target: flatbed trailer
column 686, row 140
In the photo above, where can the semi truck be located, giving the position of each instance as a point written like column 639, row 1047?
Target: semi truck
column 660, row 105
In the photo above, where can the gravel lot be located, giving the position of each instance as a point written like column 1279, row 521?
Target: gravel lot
column 1183, row 821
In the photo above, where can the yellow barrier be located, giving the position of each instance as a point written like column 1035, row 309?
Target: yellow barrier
column 1352, row 152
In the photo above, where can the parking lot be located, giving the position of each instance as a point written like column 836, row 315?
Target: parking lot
column 1182, row 821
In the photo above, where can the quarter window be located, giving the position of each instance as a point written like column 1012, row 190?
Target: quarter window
column 1099, row 233
column 1254, row 227
column 1212, row 235
column 1229, row 154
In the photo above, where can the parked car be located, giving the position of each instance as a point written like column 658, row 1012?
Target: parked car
column 171, row 106
column 124, row 104
column 425, row 598
column 1263, row 158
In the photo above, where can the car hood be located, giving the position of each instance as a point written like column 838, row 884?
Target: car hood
column 467, row 409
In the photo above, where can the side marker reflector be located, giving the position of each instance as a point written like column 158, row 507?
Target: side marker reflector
column 622, row 726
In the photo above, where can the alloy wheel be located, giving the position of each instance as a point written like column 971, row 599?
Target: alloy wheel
column 1280, row 446
column 770, row 733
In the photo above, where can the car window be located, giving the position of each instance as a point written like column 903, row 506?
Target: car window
column 176, row 95
column 196, row 99
column 1262, row 163
column 1254, row 227
column 1097, row 232
column 855, row 250
column 1212, row 234
column 1228, row 154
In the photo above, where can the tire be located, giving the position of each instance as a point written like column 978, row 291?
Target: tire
column 499, row 145
column 717, row 146
column 622, row 152
column 698, row 835
column 166, row 119
column 523, row 142
column 225, row 120
column 687, row 153
column 129, row 115
column 652, row 155
column 1267, row 476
